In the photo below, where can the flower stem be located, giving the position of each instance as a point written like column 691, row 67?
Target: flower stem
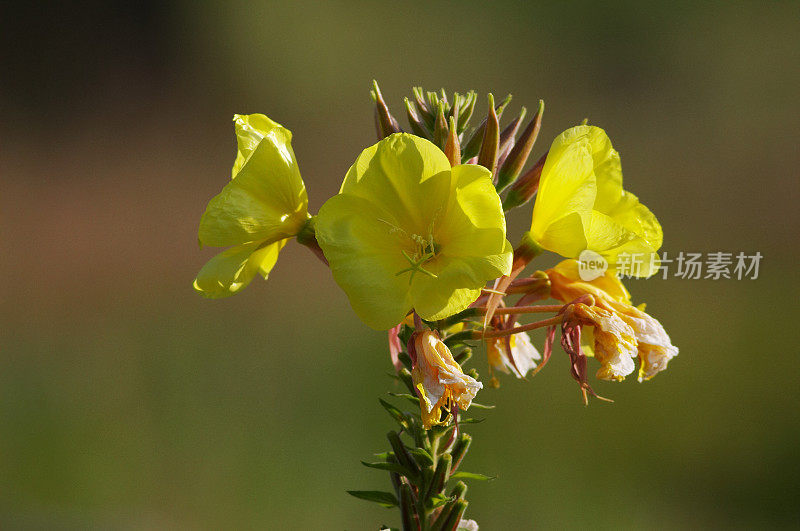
column 476, row 334
column 527, row 309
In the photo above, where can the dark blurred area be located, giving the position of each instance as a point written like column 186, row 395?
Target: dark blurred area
column 127, row 401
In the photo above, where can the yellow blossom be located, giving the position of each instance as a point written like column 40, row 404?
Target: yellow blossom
column 581, row 204
column 257, row 211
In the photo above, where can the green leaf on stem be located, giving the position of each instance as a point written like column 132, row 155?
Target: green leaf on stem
column 472, row 475
column 391, row 467
column 385, row 499
column 395, row 413
column 411, row 398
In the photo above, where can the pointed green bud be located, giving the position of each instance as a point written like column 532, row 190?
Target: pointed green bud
column 452, row 148
column 427, row 114
column 408, row 511
column 433, row 102
column 460, row 448
column 465, row 111
column 473, row 145
column 525, row 187
column 401, row 453
column 386, row 123
column 459, row 490
column 454, row 108
column 518, row 156
column 487, row 157
column 509, row 136
column 418, row 127
column 440, row 476
column 440, row 131
column 450, row 516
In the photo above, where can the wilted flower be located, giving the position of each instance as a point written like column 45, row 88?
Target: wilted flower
column 256, row 212
column 581, row 204
column 614, row 343
column 407, row 231
column 653, row 345
column 438, row 379
column 515, row 354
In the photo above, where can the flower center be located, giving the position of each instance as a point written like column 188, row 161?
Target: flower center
column 424, row 249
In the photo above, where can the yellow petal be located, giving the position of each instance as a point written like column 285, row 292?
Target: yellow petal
column 266, row 201
column 405, row 175
column 232, row 270
column 365, row 257
column 567, row 184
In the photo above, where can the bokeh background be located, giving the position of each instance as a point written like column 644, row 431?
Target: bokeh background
column 128, row 402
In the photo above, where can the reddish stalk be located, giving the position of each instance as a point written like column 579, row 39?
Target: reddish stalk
column 517, row 329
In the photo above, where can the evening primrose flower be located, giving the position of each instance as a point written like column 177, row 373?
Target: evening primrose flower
column 614, row 341
column 581, row 204
column 439, row 380
column 256, row 213
column 521, row 358
column 407, row 231
column 653, row 345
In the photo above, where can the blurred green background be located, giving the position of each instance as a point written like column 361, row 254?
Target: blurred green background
column 128, row 402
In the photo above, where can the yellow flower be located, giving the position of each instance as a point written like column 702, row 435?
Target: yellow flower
column 521, row 358
column 613, row 306
column 581, row 204
column 439, row 380
column 407, row 231
column 263, row 206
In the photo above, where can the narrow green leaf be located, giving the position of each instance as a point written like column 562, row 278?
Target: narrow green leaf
column 481, row 406
column 405, row 377
column 411, row 398
column 396, row 414
column 386, row 499
column 472, row 475
column 471, row 421
column 391, row 467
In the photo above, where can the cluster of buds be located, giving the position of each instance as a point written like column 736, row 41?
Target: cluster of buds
column 445, row 122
